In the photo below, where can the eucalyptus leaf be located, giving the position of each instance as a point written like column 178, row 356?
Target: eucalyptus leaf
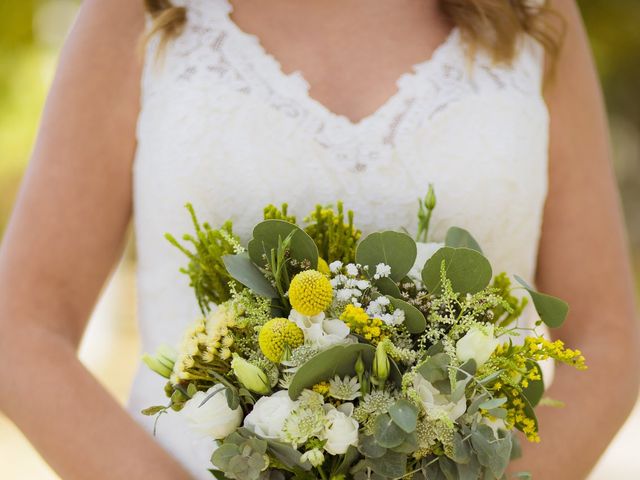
column 469, row 470
column 459, row 237
column 414, row 320
column 398, row 250
column 241, row 268
column 386, row 286
column 461, row 451
column 448, row 468
column 391, row 465
column 435, row 368
column 268, row 233
column 405, row 415
column 337, row 360
column 535, row 390
column 387, row 433
column 493, row 403
column 468, row 270
column 368, row 446
column 552, row 310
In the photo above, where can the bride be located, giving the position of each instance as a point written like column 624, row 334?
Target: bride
column 241, row 103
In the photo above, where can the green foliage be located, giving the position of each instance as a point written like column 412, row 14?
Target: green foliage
column 459, row 237
column 413, row 318
column 552, row 310
column 269, row 234
column 271, row 212
column 468, row 270
column 395, row 249
column 336, row 240
column 206, row 270
column 241, row 268
column 241, row 457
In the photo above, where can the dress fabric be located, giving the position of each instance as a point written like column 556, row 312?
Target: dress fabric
column 223, row 127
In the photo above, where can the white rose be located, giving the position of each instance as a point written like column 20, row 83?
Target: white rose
column 341, row 431
column 269, row 413
column 477, row 344
column 425, row 252
column 320, row 331
column 213, row 419
column 436, row 403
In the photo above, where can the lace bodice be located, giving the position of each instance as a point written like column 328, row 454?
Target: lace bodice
column 222, row 127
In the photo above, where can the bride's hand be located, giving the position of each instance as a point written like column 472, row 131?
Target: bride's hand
column 65, row 235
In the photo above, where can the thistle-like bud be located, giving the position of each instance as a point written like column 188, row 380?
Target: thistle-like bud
column 380, row 365
column 162, row 362
column 253, row 378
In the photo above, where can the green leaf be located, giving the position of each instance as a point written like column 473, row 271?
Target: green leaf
column 405, row 415
column 552, row 310
column 337, row 360
column 387, row 433
column 348, row 459
column 448, row 468
column 435, row 368
column 386, row 286
column 469, row 470
column 267, row 234
column 493, row 403
column 398, row 250
column 391, row 465
column 241, row 268
column 468, row 270
column 368, row 446
column 461, row 451
column 459, row 237
column 535, row 390
column 493, row 452
column 409, row 444
column 153, row 410
column 413, row 318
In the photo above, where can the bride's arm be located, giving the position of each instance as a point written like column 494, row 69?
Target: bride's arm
column 65, row 235
column 583, row 259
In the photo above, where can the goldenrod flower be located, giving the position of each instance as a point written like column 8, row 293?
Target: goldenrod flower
column 278, row 336
column 360, row 323
column 310, row 292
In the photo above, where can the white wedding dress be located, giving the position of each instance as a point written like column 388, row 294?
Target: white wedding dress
column 224, row 128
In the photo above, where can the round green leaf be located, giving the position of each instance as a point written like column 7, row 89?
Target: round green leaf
column 459, row 237
column 405, row 415
column 413, row 318
column 468, row 270
column 387, row 433
column 398, row 250
column 267, row 234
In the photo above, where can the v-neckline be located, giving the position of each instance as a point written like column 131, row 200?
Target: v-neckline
column 297, row 80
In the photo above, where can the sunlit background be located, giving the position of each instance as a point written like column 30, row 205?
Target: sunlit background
column 31, row 34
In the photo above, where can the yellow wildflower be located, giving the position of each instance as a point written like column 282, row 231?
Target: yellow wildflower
column 360, row 323
column 310, row 292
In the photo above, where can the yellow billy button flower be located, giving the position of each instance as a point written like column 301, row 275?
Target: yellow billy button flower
column 323, row 266
column 252, row 377
column 310, row 292
column 278, row 336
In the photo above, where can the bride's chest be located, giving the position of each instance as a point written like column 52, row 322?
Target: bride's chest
column 221, row 126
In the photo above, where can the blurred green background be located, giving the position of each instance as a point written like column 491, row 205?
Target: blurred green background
column 31, row 33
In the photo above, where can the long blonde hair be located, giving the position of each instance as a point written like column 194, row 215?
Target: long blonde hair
column 492, row 25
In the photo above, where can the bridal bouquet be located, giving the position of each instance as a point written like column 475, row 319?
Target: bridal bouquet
column 321, row 355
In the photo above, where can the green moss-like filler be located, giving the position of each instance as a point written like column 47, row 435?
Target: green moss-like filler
column 336, row 240
column 271, row 212
column 206, row 271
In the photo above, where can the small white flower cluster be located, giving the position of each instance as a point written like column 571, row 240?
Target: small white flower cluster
column 379, row 308
column 347, row 282
column 382, row 271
